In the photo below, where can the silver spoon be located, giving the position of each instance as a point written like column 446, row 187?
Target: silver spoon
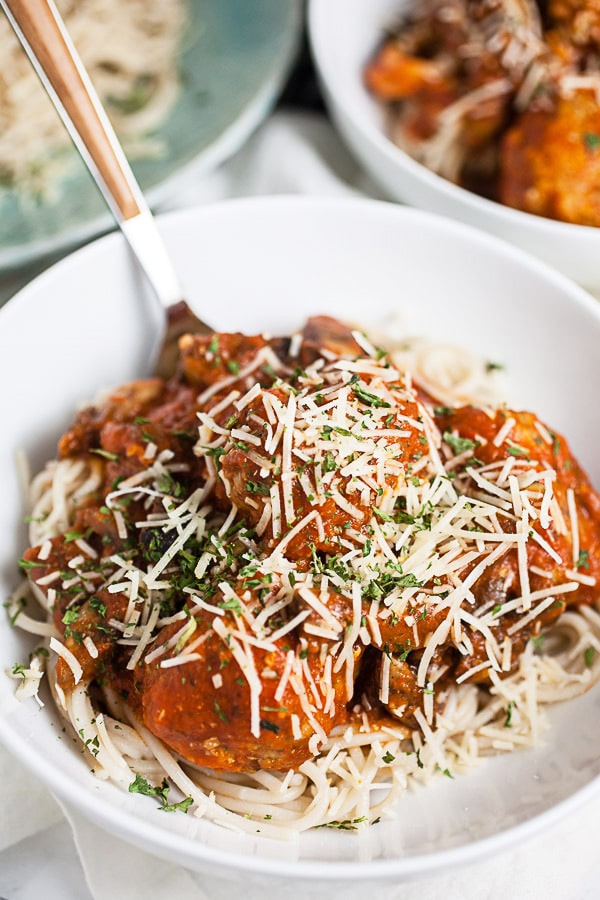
column 43, row 34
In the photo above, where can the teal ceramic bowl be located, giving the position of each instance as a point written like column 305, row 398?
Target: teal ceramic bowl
column 235, row 56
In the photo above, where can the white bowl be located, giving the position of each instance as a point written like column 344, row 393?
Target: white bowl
column 268, row 263
column 344, row 34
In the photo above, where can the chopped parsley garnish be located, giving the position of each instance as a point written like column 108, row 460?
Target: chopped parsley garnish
column 215, row 452
column 92, row 744
column 270, row 371
column 583, row 560
column 345, row 824
column 591, row 141
column 327, row 429
column 257, row 487
column 537, row 642
column 220, row 713
column 166, row 484
column 509, row 714
column 458, row 444
column 329, row 463
column 141, row 786
column 76, row 535
column 388, row 580
column 403, row 650
column 231, row 603
column 369, row 399
column 270, row 726
column 105, row 453
column 517, row 451
column 181, row 806
column 589, row 656
column 71, row 615
column 408, row 580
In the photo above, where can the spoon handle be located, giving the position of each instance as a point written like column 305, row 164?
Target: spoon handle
column 42, row 33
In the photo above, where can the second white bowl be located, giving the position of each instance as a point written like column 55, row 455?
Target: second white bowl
column 344, row 34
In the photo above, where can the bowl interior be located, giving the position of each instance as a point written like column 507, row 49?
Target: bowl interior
column 88, row 322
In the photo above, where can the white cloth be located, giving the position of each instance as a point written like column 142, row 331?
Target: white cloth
column 54, row 854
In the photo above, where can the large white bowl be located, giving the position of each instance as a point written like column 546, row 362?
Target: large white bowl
column 344, row 34
column 268, row 263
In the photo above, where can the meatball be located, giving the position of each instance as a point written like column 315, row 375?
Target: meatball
column 550, row 161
